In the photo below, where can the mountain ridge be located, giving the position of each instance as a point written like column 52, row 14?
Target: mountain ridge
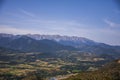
column 51, row 37
column 55, row 43
column 27, row 44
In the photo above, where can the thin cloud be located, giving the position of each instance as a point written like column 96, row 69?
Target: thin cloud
column 111, row 24
column 13, row 30
column 56, row 23
column 15, row 15
column 27, row 13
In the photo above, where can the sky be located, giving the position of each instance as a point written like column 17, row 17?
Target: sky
column 98, row 20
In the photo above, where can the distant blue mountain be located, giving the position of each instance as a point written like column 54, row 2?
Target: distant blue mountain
column 27, row 44
column 51, row 43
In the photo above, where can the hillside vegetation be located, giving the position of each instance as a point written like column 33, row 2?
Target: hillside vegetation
column 110, row 71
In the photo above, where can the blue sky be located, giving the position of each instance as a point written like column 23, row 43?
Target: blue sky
column 98, row 20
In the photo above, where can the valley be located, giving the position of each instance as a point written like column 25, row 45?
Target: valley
column 20, row 65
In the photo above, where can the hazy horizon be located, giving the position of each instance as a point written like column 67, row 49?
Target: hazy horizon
column 97, row 20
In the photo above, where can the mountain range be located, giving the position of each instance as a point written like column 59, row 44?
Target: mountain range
column 53, row 43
